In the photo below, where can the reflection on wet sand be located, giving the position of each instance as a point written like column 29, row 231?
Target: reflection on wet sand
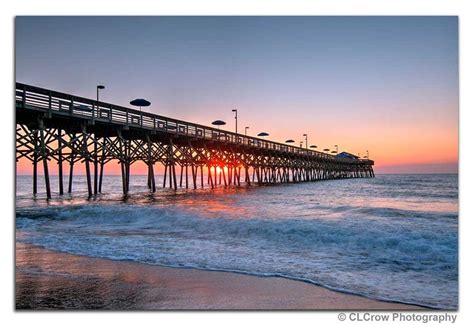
column 50, row 280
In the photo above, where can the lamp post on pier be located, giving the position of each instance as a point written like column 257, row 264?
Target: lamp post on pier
column 246, row 128
column 235, row 110
column 99, row 87
column 306, row 138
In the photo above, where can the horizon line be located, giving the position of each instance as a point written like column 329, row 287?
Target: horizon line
column 409, row 173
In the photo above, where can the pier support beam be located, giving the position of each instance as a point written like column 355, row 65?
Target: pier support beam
column 150, row 162
column 60, row 163
column 44, row 157
column 71, row 172
column 96, row 166
column 223, row 163
column 102, row 163
column 35, row 162
column 85, row 154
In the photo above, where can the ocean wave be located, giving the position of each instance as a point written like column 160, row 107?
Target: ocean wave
column 385, row 212
column 351, row 253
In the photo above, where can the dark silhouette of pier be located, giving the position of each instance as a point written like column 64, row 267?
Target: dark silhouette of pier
column 68, row 129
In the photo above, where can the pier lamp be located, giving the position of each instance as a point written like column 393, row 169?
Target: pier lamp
column 337, row 148
column 235, row 111
column 140, row 102
column 246, row 128
column 306, row 138
column 218, row 123
column 301, row 144
column 367, row 154
column 99, row 87
column 263, row 134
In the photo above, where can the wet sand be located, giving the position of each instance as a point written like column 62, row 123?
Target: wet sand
column 52, row 280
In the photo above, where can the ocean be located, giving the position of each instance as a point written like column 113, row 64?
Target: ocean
column 391, row 238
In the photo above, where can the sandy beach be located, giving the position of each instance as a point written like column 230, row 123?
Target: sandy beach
column 52, row 280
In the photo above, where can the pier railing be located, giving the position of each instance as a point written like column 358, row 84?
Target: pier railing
column 54, row 102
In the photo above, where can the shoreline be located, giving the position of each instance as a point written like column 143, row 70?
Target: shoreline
column 50, row 280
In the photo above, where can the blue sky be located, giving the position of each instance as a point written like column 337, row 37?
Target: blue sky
column 345, row 80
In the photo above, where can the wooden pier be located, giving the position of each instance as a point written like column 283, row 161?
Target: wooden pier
column 67, row 129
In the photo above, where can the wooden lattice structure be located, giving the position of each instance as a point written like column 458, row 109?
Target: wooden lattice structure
column 67, row 129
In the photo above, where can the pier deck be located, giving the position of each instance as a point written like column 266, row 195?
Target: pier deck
column 68, row 129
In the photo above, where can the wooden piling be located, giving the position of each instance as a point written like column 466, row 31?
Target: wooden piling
column 172, row 172
column 128, row 175
column 153, row 184
column 60, row 163
column 102, row 163
column 202, row 177
column 96, row 166
column 215, row 175
column 44, row 157
column 223, row 175
column 35, row 163
column 174, row 177
column 151, row 172
column 237, row 176
column 209, row 174
column 164, row 176
column 123, row 161
column 259, row 182
column 71, row 171
column 124, row 178
column 187, row 176
column 194, row 174
column 85, row 153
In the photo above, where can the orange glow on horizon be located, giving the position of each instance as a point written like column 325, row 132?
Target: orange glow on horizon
column 389, row 144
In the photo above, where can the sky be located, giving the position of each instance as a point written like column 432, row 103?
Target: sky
column 388, row 85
